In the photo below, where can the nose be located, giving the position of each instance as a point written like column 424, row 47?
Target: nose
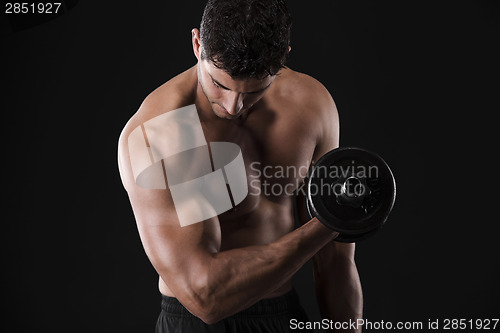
column 234, row 103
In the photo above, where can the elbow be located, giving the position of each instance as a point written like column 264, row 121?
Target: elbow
column 200, row 292
column 205, row 307
column 204, row 302
column 210, row 319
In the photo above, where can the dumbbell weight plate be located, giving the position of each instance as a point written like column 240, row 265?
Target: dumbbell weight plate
column 355, row 215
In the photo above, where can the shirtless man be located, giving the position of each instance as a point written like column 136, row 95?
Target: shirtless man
column 233, row 271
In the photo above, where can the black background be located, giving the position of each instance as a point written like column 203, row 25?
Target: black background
column 416, row 82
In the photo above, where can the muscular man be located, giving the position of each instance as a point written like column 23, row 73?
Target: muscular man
column 233, row 271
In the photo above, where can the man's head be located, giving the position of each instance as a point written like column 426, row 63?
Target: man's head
column 246, row 38
column 243, row 43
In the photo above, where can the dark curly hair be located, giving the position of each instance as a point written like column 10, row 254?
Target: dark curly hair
column 246, row 38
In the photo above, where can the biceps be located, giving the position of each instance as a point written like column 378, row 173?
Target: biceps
column 180, row 255
column 176, row 252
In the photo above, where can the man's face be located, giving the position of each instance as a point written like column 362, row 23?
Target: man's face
column 230, row 98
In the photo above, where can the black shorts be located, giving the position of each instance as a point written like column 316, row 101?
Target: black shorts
column 268, row 315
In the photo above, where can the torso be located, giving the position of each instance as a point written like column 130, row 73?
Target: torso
column 276, row 135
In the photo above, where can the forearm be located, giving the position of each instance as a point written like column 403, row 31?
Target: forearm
column 236, row 279
column 338, row 287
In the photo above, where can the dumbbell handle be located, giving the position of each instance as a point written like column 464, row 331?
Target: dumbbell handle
column 343, row 238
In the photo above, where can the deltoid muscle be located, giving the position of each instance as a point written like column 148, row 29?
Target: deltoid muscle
column 173, row 145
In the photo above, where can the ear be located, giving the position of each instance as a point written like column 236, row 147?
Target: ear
column 195, row 38
column 289, row 48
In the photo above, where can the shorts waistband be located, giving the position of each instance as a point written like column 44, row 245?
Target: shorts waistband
column 280, row 305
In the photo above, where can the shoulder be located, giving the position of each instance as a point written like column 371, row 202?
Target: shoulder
column 312, row 104
column 304, row 89
column 306, row 96
column 172, row 95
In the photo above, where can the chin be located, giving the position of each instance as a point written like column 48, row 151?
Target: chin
column 227, row 116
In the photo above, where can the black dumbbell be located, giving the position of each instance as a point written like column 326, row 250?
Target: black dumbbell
column 352, row 191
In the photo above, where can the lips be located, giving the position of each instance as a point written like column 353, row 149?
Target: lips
column 222, row 109
column 226, row 114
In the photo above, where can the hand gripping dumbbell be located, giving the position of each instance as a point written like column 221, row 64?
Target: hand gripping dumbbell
column 351, row 191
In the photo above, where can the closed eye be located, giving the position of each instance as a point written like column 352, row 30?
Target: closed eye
column 218, row 85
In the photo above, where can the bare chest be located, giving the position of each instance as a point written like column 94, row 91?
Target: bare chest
column 276, row 159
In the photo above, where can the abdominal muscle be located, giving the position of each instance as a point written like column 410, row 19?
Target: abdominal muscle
column 265, row 224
